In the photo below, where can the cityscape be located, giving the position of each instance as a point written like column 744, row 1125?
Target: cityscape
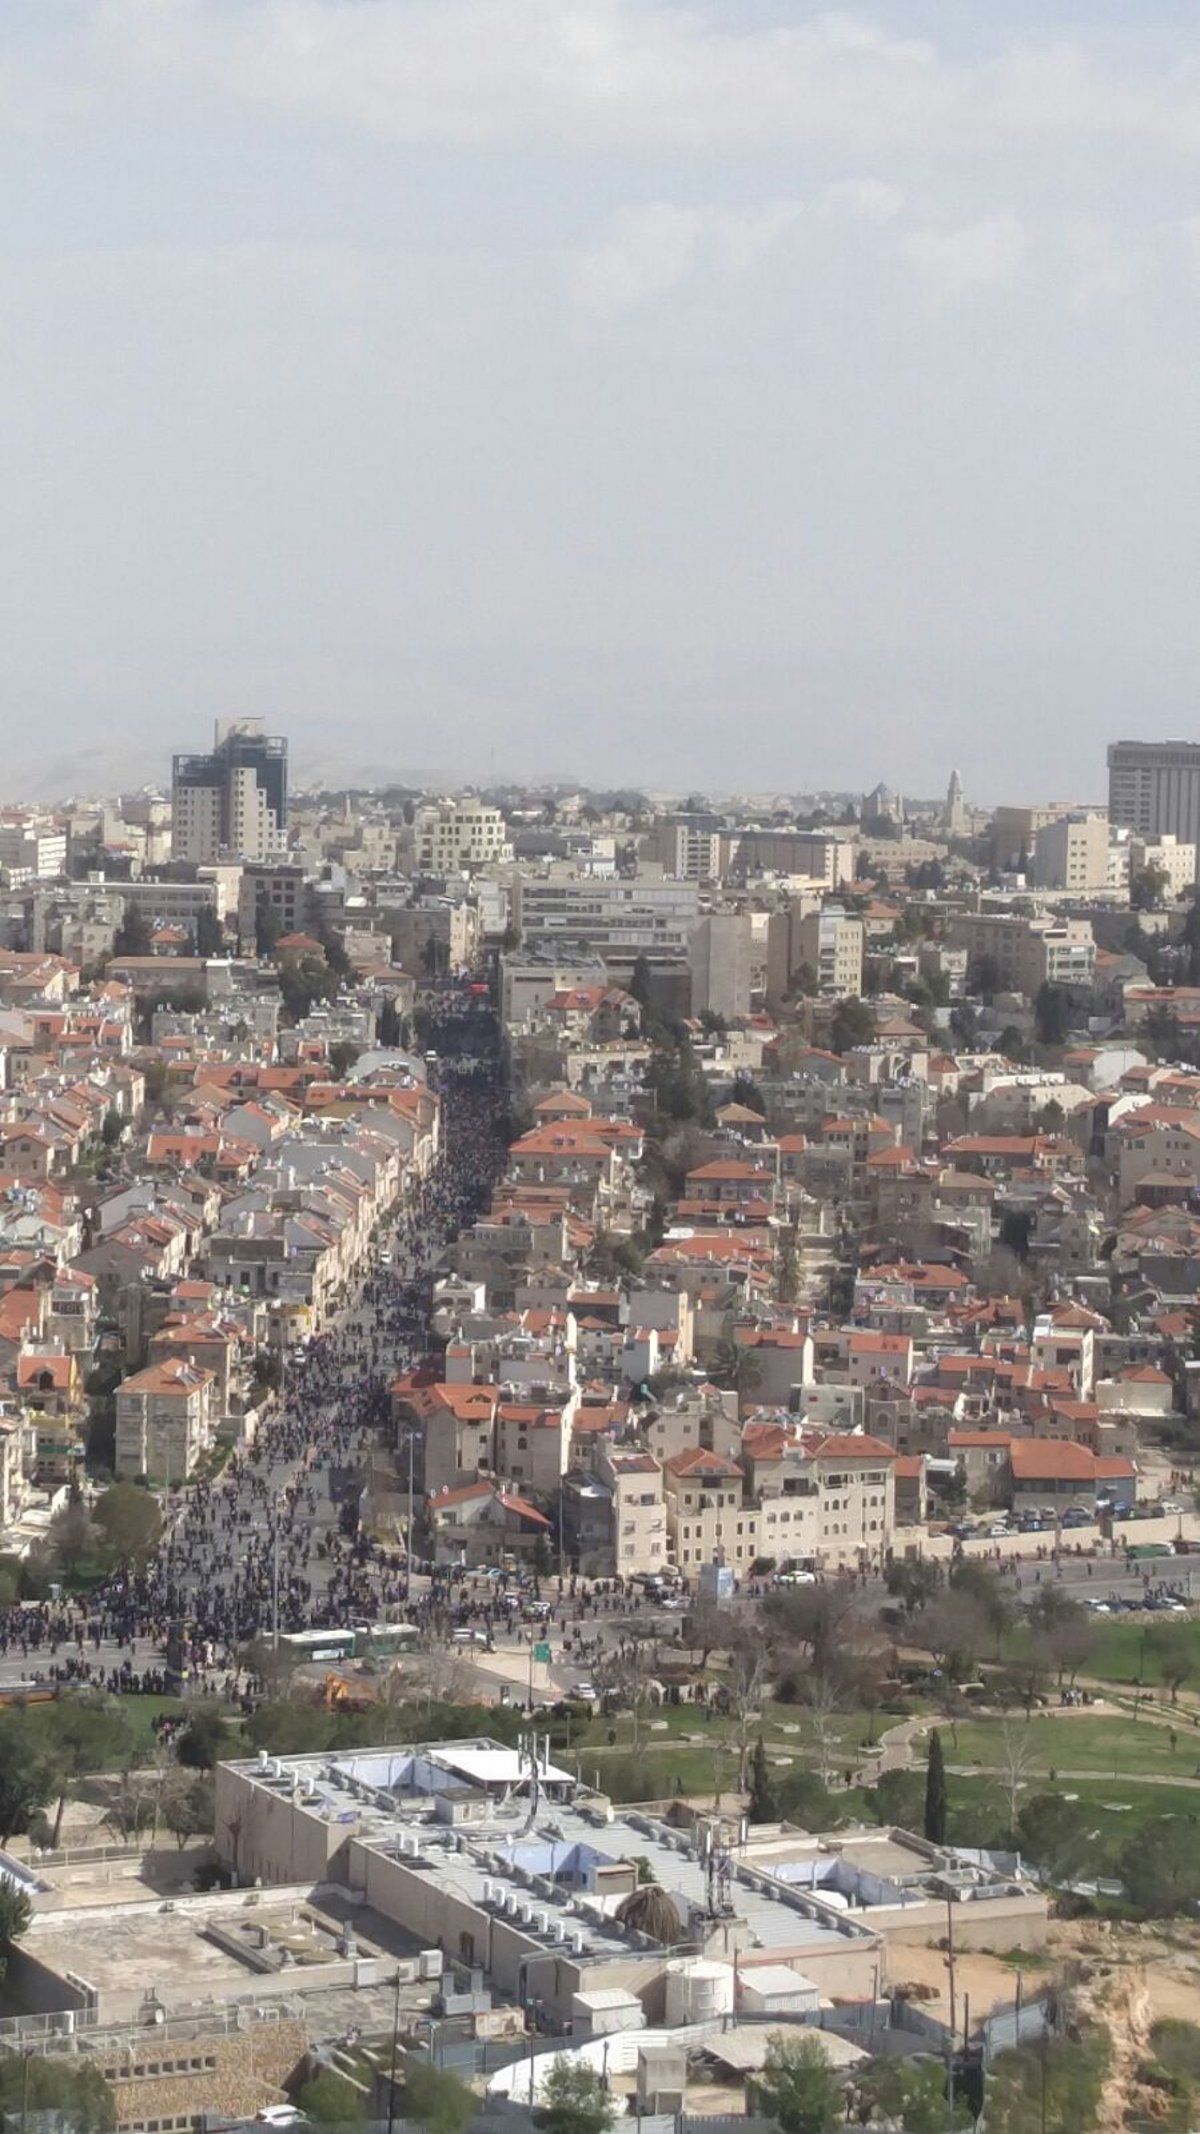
column 599, row 1067
column 598, row 1451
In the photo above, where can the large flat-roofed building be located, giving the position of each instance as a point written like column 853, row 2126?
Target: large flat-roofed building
column 520, row 1873
column 233, row 800
column 1154, row 787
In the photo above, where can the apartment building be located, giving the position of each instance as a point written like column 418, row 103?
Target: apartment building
column 165, row 1419
column 706, row 1518
column 452, row 837
column 31, row 851
column 1027, row 952
column 1154, row 787
column 639, row 1512
column 828, row 860
column 614, row 917
column 1072, row 853
column 722, row 964
column 827, row 1499
column 831, row 943
column 232, row 800
column 1167, row 856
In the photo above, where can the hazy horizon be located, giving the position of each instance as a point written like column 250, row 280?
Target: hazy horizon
column 743, row 397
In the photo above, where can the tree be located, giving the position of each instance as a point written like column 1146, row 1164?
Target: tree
column 16, row 1912
column 1051, row 2088
column 438, row 2099
column 651, row 1911
column 341, row 1058
column 111, row 1127
column 746, row 1684
column 1018, row 1762
column 914, row 1582
column 575, row 2100
column 91, row 1733
column 210, row 934
column 26, row 1776
column 822, row 1710
column 814, row 1618
column 853, row 1024
column 935, row 1792
column 206, row 1738
column 803, row 1799
column 1052, row 1014
column 190, row 1811
column 130, row 1521
column 1160, row 1867
column 1172, row 1646
column 979, row 1584
column 798, row 2088
column 73, row 2093
column 72, row 1535
column 1057, row 1835
column 1147, row 888
column 132, row 937
column 900, row 1799
column 330, row 2101
column 707, row 1628
column 912, row 2093
column 763, row 1807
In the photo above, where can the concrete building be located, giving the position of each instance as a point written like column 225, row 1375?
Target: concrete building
column 1027, row 952
column 613, row 917
column 831, row 942
column 1166, row 855
column 165, row 1419
column 811, row 854
column 706, row 1517
column 514, row 1874
column 453, row 836
column 1154, row 787
column 1072, row 853
column 277, row 889
column 721, row 963
column 31, row 851
column 232, row 801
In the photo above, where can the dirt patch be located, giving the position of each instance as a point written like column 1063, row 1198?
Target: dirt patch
column 983, row 1980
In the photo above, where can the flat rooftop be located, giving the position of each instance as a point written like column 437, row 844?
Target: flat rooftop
column 471, row 1815
column 214, row 1951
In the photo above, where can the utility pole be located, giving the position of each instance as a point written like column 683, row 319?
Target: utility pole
column 275, row 1579
column 950, row 2044
column 408, row 1538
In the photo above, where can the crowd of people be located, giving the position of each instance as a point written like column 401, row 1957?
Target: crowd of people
column 273, row 1543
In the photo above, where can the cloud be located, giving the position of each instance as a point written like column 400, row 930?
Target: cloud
column 976, row 255
column 651, row 249
column 861, row 200
column 581, row 74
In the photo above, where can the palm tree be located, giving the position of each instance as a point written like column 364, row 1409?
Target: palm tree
column 649, row 1911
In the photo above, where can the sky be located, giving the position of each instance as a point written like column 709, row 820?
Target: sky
column 738, row 397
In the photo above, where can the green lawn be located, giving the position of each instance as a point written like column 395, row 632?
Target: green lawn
column 1121, row 1806
column 1124, row 1647
column 1110, row 1743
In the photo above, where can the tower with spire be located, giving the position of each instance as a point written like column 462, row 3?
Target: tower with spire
column 954, row 814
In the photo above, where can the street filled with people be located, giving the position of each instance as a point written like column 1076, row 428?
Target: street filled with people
column 272, row 1544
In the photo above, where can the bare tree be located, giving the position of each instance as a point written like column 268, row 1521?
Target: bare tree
column 1018, row 1765
column 746, row 1684
column 628, row 1677
column 822, row 1710
column 708, row 1628
column 442, row 1674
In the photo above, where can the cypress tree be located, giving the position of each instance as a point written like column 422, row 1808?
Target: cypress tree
column 763, row 1807
column 935, row 1792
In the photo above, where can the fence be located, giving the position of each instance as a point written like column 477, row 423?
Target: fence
column 82, row 2030
column 1026, row 2025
